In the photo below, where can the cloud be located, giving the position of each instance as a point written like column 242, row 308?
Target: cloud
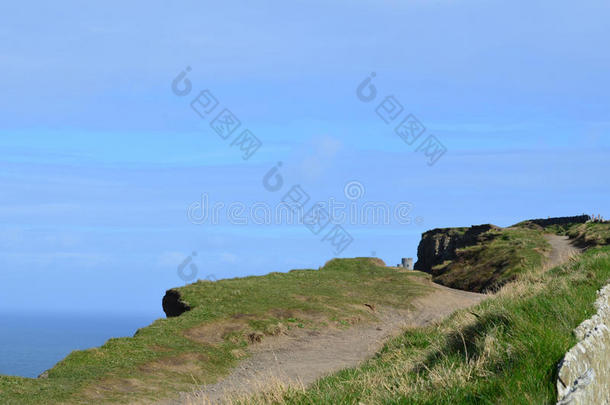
column 321, row 151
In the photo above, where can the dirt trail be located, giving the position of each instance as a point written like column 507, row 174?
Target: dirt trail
column 562, row 250
column 304, row 356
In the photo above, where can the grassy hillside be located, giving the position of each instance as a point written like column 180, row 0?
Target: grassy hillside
column 584, row 235
column 498, row 257
column 590, row 234
column 203, row 344
column 503, row 351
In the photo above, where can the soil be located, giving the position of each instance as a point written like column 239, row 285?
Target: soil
column 301, row 357
column 562, row 250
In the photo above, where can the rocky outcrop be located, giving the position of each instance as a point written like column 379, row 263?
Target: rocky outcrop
column 173, row 305
column 584, row 372
column 439, row 245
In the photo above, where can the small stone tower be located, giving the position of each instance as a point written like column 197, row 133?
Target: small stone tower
column 407, row 263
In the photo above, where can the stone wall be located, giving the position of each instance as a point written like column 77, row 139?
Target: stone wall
column 584, row 373
column 579, row 219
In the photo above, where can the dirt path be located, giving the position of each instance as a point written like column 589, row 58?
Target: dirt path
column 562, row 250
column 303, row 357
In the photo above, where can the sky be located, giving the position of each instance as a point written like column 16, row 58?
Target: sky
column 103, row 166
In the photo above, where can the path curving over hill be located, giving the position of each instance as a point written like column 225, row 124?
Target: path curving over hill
column 561, row 250
column 302, row 357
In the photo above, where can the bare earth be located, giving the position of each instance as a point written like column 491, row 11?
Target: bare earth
column 302, row 357
column 562, row 249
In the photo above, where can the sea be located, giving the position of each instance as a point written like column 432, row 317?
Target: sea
column 31, row 343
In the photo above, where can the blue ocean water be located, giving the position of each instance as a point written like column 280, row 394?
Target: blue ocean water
column 33, row 343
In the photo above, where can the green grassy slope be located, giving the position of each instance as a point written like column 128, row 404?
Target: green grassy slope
column 590, row 234
column 503, row 351
column 172, row 354
column 584, row 235
column 499, row 257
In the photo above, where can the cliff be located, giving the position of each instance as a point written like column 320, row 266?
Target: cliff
column 481, row 258
column 441, row 244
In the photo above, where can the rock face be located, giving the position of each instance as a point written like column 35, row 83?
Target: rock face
column 439, row 245
column 584, row 372
column 173, row 304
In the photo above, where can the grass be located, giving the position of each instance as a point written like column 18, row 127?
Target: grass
column 559, row 229
column 585, row 235
column 590, row 234
column 201, row 345
column 503, row 351
column 499, row 257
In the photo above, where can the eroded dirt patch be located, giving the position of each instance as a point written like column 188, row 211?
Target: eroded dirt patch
column 278, row 321
column 189, row 363
column 303, row 355
column 214, row 333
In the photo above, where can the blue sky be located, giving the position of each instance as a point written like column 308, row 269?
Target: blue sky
column 99, row 160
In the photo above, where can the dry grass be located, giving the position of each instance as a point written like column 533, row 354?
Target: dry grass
column 270, row 389
column 505, row 350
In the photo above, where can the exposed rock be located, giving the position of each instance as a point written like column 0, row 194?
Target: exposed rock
column 584, row 372
column 439, row 245
column 173, row 305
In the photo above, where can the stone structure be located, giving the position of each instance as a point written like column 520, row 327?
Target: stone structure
column 407, row 263
column 580, row 219
column 584, row 372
